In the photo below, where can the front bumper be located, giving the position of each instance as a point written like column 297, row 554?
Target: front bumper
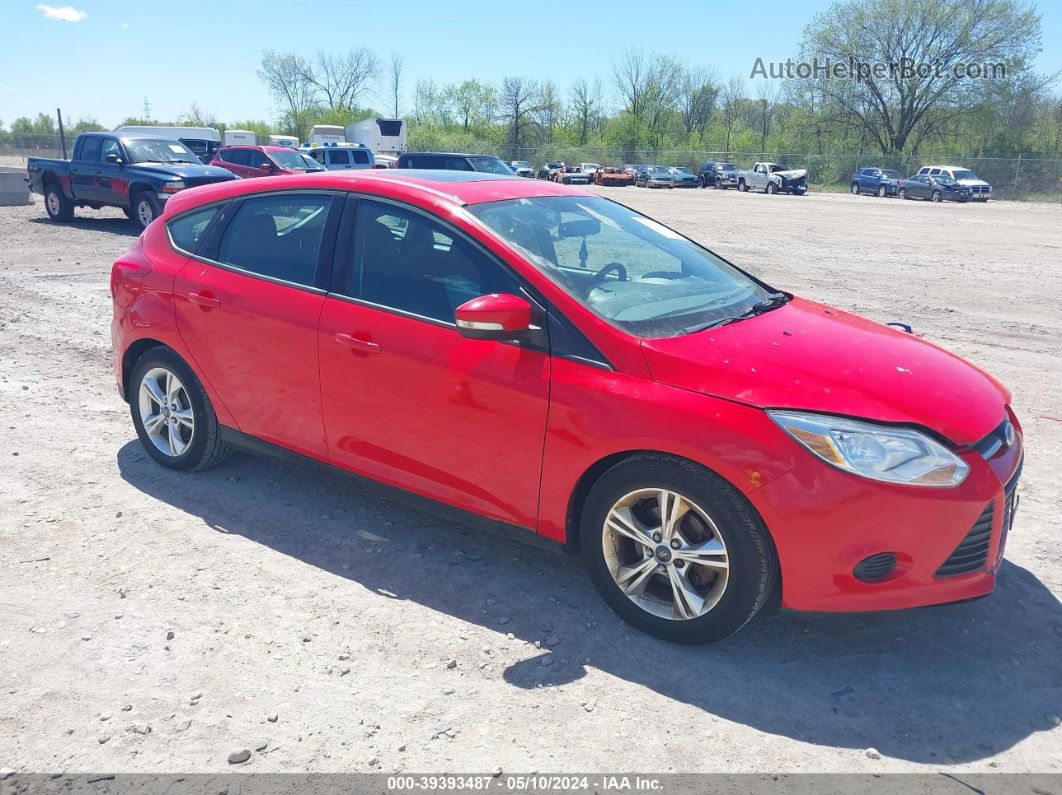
column 824, row 522
column 659, row 183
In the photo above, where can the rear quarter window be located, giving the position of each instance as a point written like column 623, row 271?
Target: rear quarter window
column 186, row 231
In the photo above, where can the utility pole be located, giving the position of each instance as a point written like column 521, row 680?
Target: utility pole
column 62, row 135
column 147, row 109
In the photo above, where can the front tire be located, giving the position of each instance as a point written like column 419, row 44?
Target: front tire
column 172, row 413
column 58, row 207
column 855, row 189
column 145, row 208
column 771, row 189
column 883, row 191
column 675, row 550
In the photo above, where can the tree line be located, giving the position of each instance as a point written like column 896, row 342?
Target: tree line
column 650, row 102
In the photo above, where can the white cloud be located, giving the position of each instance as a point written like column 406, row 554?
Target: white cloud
column 8, row 88
column 62, row 13
column 125, row 25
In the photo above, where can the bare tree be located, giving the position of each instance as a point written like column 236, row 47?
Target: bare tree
column 550, row 109
column 584, row 100
column 648, row 87
column 283, row 74
column 341, row 79
column 697, row 94
column 767, row 99
column 519, row 102
column 630, row 75
column 732, row 96
column 940, row 36
column 197, row 117
column 396, row 68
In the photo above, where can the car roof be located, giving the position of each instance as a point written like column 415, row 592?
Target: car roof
column 426, row 185
column 445, row 154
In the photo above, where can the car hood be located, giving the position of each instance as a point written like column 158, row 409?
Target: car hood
column 811, row 357
column 792, row 173
column 183, row 170
column 978, row 183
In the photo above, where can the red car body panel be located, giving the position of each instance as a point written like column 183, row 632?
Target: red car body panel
column 251, row 172
column 512, row 433
column 813, row 357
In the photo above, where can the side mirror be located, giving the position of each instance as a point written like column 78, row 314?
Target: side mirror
column 114, row 158
column 494, row 317
column 266, row 166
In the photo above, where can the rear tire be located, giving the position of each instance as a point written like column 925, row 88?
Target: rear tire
column 742, row 186
column 902, row 193
column 58, row 207
column 937, row 197
column 187, row 437
column 687, row 602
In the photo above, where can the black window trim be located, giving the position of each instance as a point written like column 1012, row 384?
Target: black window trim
column 540, row 306
column 221, row 204
column 212, row 238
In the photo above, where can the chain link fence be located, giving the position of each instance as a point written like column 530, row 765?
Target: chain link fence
column 1018, row 177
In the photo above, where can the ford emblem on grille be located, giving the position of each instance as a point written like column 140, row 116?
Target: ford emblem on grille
column 1008, row 434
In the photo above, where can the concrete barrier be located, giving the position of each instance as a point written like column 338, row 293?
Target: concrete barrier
column 13, row 188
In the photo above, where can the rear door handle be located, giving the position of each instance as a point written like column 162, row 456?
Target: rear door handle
column 203, row 299
column 358, row 344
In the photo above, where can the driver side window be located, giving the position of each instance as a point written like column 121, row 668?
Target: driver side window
column 404, row 260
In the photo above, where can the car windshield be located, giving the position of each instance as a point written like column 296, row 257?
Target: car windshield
column 728, row 167
column 944, row 179
column 159, row 150
column 681, row 170
column 521, row 164
column 590, row 166
column 491, row 165
column 658, row 170
column 633, row 272
column 293, row 161
column 963, row 173
column 888, row 173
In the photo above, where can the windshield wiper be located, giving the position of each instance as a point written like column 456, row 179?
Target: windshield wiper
column 773, row 301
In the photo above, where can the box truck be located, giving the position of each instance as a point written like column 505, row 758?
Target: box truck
column 240, row 138
column 382, row 136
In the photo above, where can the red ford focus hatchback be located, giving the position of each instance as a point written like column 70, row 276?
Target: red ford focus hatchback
column 543, row 356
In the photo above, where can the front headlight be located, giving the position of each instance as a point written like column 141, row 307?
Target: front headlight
column 173, row 186
column 878, row 452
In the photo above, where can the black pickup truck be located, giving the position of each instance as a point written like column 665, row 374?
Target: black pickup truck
column 137, row 173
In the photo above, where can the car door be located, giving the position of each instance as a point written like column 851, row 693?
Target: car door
column 247, row 308
column 920, row 187
column 112, row 183
column 409, row 401
column 338, row 158
column 84, row 167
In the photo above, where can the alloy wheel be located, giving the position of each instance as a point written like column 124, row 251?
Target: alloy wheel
column 53, row 202
column 665, row 554
column 166, row 411
column 144, row 212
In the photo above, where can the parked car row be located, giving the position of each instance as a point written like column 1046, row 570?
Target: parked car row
column 934, row 183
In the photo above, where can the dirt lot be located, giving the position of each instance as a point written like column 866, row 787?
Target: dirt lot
column 158, row 622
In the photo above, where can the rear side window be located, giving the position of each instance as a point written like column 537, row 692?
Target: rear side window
column 339, row 157
column 277, row 236
column 360, row 156
column 91, row 149
column 187, row 230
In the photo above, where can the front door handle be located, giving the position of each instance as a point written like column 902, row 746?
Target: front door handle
column 358, row 344
column 203, row 299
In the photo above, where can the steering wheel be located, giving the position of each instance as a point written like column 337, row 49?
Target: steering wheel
column 597, row 278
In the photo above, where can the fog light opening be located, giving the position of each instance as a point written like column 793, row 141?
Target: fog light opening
column 875, row 568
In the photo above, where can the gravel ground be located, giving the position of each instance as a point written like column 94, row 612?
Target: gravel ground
column 158, row 622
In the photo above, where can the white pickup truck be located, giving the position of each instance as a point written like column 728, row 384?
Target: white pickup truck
column 773, row 178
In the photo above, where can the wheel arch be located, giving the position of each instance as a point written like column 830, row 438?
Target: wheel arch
column 132, row 355
column 594, row 472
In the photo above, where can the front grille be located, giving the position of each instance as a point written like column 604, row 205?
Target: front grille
column 972, row 552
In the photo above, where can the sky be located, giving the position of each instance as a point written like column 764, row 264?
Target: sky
column 101, row 58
